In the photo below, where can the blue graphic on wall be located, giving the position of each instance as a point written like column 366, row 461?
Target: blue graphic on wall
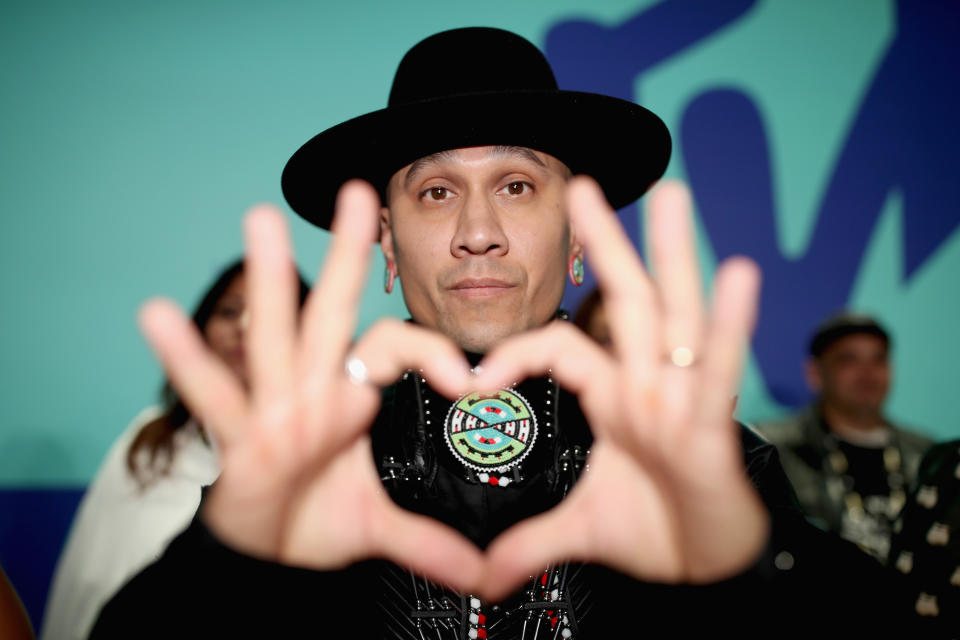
column 905, row 138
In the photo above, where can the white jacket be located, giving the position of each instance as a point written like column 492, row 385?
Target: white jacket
column 120, row 527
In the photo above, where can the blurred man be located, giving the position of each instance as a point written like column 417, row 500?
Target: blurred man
column 850, row 466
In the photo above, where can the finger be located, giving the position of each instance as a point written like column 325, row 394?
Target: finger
column 736, row 295
column 330, row 314
column 575, row 361
column 402, row 537
column 387, row 350
column 391, row 347
column 675, row 265
column 272, row 291
column 628, row 294
column 527, row 548
column 205, row 384
column 681, row 297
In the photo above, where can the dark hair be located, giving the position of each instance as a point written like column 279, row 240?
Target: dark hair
column 157, row 435
column 844, row 324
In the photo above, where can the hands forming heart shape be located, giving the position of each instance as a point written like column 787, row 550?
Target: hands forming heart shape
column 666, row 498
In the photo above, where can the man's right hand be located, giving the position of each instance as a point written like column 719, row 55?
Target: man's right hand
column 298, row 484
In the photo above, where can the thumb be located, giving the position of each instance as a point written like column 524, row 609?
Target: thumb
column 426, row 546
column 526, row 549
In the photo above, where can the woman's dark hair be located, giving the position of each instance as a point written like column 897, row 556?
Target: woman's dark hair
column 156, row 436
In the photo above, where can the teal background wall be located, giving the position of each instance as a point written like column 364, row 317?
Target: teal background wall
column 136, row 134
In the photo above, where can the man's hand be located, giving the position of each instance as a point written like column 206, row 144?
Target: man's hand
column 666, row 497
column 298, row 484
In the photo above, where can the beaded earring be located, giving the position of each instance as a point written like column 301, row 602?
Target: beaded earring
column 576, row 270
column 389, row 275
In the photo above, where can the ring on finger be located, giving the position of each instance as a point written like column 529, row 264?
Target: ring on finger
column 681, row 357
column 356, row 370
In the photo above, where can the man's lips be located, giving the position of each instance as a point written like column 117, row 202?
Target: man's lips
column 480, row 286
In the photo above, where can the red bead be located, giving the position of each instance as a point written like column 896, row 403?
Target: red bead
column 543, row 579
column 481, row 633
column 553, row 622
column 494, row 480
column 482, row 619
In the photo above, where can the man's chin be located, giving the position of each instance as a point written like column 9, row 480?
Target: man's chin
column 481, row 338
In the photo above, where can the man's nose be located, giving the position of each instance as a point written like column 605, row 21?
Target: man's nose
column 479, row 230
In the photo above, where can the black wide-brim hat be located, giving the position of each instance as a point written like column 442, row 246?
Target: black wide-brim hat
column 474, row 87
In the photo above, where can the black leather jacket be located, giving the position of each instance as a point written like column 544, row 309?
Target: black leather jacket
column 805, row 582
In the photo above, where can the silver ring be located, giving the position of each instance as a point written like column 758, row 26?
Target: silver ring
column 356, row 370
column 682, row 357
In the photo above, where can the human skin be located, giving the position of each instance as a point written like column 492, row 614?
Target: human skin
column 481, row 241
column 225, row 328
column 666, row 499
column 852, row 378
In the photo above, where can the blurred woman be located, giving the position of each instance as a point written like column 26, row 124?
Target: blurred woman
column 148, row 488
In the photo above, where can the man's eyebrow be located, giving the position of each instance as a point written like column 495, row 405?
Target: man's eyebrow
column 421, row 163
column 499, row 150
column 524, row 152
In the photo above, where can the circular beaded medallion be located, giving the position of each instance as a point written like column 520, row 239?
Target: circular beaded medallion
column 491, row 431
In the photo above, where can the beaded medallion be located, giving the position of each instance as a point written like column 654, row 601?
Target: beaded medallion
column 491, row 432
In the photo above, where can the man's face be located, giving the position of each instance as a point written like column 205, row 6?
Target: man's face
column 853, row 373
column 481, row 240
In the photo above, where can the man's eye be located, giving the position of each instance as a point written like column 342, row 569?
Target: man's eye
column 517, row 188
column 437, row 193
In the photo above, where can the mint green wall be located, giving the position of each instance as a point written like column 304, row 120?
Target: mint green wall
column 134, row 135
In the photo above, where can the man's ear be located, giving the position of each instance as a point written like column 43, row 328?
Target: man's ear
column 814, row 379
column 576, row 246
column 386, row 236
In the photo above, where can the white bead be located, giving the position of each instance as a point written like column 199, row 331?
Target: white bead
column 566, row 633
column 905, row 562
column 472, row 633
column 927, row 605
column 484, row 477
column 784, row 561
column 474, row 618
column 939, row 534
column 504, row 481
column 555, row 594
column 927, row 497
column 474, row 603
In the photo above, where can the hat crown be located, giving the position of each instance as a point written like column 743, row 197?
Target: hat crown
column 470, row 60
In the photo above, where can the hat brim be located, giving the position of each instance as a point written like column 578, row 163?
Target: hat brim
column 620, row 144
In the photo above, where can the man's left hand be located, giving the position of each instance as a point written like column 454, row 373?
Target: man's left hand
column 666, row 497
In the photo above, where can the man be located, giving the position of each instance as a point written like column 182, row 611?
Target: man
column 850, row 466
column 488, row 484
